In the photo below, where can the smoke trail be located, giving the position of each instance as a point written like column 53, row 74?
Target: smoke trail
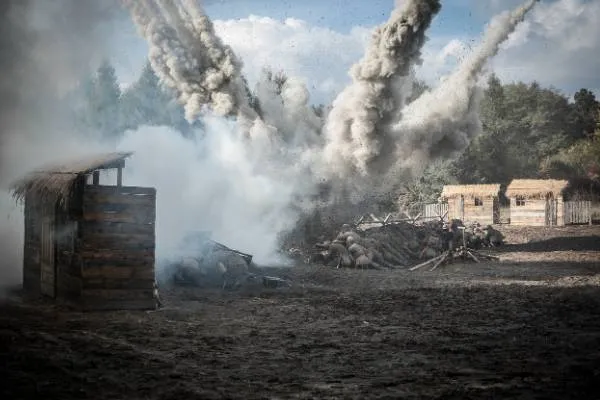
column 360, row 113
column 441, row 122
column 189, row 58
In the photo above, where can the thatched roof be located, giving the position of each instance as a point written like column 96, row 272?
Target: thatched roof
column 490, row 190
column 55, row 182
column 536, row 187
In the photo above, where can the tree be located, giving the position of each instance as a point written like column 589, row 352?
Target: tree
column 146, row 102
column 104, row 95
column 585, row 115
column 523, row 124
column 426, row 188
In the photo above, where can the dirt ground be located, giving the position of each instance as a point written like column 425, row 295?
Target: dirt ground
column 526, row 327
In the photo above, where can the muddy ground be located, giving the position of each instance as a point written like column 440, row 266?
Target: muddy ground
column 526, row 327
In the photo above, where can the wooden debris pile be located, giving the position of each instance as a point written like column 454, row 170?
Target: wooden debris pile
column 401, row 245
column 459, row 246
column 389, row 246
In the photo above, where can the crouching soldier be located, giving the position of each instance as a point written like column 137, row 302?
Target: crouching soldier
column 493, row 237
column 477, row 238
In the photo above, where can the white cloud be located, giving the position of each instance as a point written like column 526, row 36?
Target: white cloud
column 558, row 45
column 319, row 56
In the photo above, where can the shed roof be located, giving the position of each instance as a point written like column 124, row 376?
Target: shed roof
column 55, row 182
column 488, row 190
column 536, row 187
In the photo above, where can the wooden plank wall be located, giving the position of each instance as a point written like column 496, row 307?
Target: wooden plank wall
column 31, row 249
column 116, row 246
column 67, row 261
column 533, row 213
column 483, row 214
column 454, row 211
column 47, row 252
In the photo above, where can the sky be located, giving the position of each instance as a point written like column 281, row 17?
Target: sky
column 318, row 40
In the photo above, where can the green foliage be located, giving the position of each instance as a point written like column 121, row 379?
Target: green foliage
column 103, row 95
column 585, row 114
column 147, row 103
column 426, row 188
column 523, row 124
column 579, row 160
column 110, row 112
column 528, row 132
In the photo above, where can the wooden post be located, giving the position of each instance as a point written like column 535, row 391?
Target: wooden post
column 120, row 176
column 96, row 178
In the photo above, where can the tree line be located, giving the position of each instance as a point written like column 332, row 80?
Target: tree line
column 529, row 131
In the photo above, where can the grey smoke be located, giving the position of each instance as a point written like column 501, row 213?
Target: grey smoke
column 45, row 48
column 442, row 122
column 190, row 58
column 356, row 125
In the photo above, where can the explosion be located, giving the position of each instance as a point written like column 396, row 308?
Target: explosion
column 368, row 141
column 262, row 162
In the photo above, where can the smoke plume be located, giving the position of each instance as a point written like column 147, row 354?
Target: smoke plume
column 362, row 111
column 369, row 130
column 442, row 122
column 189, row 58
column 245, row 191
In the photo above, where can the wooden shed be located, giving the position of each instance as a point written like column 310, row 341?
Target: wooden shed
column 473, row 203
column 86, row 244
column 536, row 202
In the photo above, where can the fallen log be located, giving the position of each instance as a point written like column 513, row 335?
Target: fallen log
column 433, row 260
column 443, row 258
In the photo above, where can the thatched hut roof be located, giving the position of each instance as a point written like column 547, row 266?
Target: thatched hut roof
column 55, row 182
column 536, row 187
column 489, row 190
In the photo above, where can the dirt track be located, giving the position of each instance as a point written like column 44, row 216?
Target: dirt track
column 509, row 330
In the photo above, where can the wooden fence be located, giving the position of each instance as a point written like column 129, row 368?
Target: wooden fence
column 415, row 216
column 578, row 212
column 435, row 212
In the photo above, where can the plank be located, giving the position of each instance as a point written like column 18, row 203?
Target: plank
column 115, row 207
column 107, row 227
column 119, row 272
column 120, row 198
column 116, row 255
column 103, row 305
column 117, row 294
column 133, row 216
column 118, row 284
column 91, row 190
column 120, row 262
column 117, row 242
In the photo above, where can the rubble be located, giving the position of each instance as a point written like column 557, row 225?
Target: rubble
column 212, row 263
column 403, row 244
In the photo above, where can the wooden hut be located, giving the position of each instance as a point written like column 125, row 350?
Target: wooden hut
column 86, row 244
column 472, row 203
column 536, row 202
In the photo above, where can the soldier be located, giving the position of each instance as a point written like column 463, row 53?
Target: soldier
column 447, row 238
column 477, row 237
column 493, row 237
